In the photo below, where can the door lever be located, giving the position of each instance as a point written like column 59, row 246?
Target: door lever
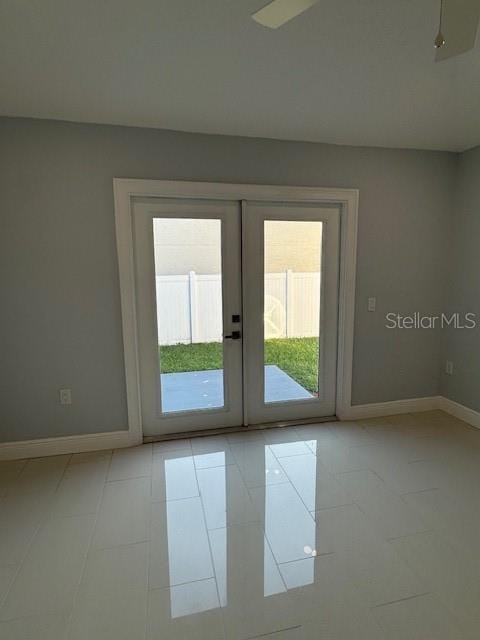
column 235, row 335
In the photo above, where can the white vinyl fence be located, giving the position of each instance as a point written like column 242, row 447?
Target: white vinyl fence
column 189, row 307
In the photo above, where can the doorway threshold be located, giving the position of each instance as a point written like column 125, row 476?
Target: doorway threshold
column 239, row 429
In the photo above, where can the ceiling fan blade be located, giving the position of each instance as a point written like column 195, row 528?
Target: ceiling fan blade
column 277, row 13
column 459, row 27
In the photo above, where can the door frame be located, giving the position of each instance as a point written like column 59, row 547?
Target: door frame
column 125, row 189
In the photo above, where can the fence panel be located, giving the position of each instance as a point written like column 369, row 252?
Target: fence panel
column 209, row 314
column 173, row 309
column 304, row 303
column 275, row 312
column 189, row 307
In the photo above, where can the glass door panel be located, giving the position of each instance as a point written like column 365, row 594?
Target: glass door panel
column 292, row 282
column 188, row 285
column 291, row 264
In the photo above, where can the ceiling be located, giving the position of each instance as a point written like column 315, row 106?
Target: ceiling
column 348, row 72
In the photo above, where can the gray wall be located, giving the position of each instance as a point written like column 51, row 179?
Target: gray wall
column 60, row 324
column 462, row 347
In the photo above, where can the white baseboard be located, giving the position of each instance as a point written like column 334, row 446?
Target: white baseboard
column 118, row 439
column 377, row 409
column 460, row 411
column 68, row 444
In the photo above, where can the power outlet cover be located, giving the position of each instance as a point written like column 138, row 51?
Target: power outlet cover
column 65, row 396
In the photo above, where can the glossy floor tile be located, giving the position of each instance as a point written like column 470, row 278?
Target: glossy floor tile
column 418, row 619
column 48, row 577
column 388, row 511
column 112, row 597
column 131, row 463
column 81, row 488
column 179, row 547
column 173, row 477
column 363, row 558
column 189, row 610
column 124, row 515
column 225, row 497
column 289, row 526
column 328, row 605
column 42, row 627
column 317, row 487
column 257, row 463
column 336, row 531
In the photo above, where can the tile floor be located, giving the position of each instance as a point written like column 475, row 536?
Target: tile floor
column 337, row 531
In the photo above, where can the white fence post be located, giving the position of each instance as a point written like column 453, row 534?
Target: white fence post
column 192, row 298
column 289, row 330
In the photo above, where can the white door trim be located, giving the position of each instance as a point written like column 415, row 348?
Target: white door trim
column 125, row 189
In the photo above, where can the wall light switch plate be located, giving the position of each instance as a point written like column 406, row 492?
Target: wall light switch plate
column 449, row 367
column 65, row 396
column 372, row 304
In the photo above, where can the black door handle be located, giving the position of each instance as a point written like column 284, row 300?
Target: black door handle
column 235, row 335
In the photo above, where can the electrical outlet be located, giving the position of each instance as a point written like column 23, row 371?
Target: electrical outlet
column 372, row 304
column 65, row 396
column 449, row 367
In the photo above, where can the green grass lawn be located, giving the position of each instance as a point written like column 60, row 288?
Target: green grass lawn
column 296, row 356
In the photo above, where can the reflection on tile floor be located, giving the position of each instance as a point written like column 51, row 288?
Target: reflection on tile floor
column 337, row 531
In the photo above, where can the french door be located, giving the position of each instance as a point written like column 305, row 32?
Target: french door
column 189, row 305
column 237, row 307
column 290, row 268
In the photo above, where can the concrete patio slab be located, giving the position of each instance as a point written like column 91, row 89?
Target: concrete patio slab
column 204, row 389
